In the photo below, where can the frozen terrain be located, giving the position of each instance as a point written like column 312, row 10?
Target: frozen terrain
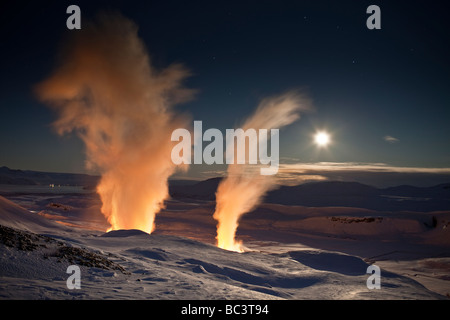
column 294, row 252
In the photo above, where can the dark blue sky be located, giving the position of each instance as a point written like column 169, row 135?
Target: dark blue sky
column 365, row 84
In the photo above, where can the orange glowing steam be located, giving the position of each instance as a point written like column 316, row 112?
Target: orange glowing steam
column 244, row 187
column 106, row 90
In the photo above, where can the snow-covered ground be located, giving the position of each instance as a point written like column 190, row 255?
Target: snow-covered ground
column 293, row 252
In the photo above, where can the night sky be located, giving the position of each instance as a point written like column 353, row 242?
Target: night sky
column 383, row 95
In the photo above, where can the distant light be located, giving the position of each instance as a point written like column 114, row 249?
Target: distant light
column 322, row 138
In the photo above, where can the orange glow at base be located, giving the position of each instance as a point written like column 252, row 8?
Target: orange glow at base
column 234, row 197
column 131, row 205
column 225, row 237
column 235, row 246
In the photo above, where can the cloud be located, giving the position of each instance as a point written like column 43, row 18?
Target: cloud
column 376, row 174
column 391, row 139
column 358, row 166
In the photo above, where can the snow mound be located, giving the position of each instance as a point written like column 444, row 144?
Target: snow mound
column 123, row 233
column 331, row 261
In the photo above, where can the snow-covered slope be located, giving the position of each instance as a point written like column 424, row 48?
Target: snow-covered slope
column 169, row 267
column 13, row 215
column 130, row 264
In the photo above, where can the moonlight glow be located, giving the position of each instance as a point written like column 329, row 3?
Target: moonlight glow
column 322, row 139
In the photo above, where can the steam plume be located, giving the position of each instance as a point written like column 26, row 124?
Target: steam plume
column 106, row 90
column 243, row 188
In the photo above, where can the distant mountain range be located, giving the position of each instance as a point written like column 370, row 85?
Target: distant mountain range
column 29, row 177
column 314, row 194
column 339, row 194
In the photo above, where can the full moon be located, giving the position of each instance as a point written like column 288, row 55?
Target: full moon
column 322, row 138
